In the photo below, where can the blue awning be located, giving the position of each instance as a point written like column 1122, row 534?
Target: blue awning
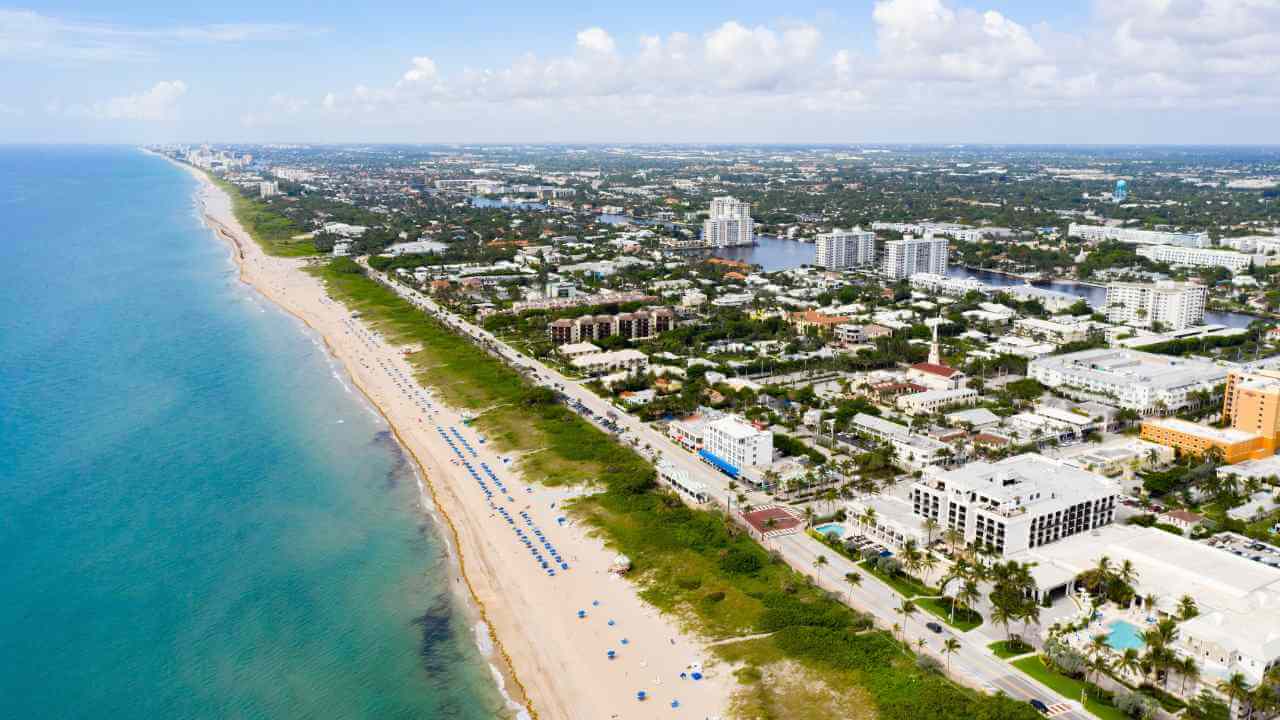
column 720, row 464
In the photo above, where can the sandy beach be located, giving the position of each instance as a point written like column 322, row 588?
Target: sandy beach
column 528, row 571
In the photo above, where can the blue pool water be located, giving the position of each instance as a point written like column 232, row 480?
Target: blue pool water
column 831, row 529
column 1124, row 635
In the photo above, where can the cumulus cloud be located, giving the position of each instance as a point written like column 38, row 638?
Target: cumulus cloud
column 160, row 102
column 926, row 56
column 596, row 40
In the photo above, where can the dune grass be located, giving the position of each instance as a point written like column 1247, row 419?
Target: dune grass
column 273, row 232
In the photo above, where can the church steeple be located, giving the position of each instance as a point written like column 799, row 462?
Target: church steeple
column 935, row 350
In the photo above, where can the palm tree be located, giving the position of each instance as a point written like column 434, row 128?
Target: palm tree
column 928, row 563
column 906, row 609
column 949, row 647
column 1103, row 572
column 1187, row 608
column 868, row 517
column 820, row 561
column 1003, row 615
column 967, row 595
column 853, row 578
column 1129, row 661
column 1098, row 645
column 1127, row 573
column 1096, row 665
column 1189, row 669
column 953, row 538
column 930, row 526
column 1233, row 687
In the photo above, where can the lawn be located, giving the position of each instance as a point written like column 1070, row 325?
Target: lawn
column 904, row 585
column 694, row 564
column 1002, row 650
column 965, row 619
column 1069, row 688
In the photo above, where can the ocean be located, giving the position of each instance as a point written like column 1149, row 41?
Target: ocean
column 199, row 517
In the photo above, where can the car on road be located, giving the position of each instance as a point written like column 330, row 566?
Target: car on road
column 934, row 627
column 1044, row 709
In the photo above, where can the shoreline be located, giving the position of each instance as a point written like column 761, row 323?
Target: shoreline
column 548, row 665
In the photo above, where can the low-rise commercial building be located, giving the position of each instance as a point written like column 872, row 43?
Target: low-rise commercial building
column 1195, row 257
column 1147, row 383
column 630, row 361
column 932, row 401
column 1098, row 233
column 1196, row 440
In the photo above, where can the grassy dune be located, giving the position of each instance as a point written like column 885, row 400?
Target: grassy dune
column 271, row 230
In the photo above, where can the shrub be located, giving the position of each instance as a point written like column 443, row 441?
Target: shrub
column 928, row 663
column 739, row 561
column 1135, row 705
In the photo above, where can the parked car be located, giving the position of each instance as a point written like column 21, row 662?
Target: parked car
column 935, row 627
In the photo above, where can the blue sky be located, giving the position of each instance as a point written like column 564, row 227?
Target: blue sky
column 1124, row 71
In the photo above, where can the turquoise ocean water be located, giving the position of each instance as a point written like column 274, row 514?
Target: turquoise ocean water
column 198, row 518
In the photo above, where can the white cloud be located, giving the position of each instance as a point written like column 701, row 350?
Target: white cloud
column 424, row 69
column 157, row 103
column 26, row 34
column 596, row 40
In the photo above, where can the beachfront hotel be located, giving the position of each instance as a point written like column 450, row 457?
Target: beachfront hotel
column 1015, row 504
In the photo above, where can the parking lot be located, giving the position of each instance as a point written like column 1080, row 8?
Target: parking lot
column 1247, row 548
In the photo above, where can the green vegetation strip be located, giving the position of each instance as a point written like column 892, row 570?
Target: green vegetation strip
column 271, row 230
column 1004, row 652
column 694, row 564
column 904, row 585
column 965, row 620
column 1067, row 687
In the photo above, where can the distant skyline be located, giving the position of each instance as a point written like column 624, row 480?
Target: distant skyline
column 892, row 71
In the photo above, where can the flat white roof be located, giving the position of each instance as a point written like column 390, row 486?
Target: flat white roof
column 1168, row 566
column 1029, row 481
column 734, row 428
column 1227, row 435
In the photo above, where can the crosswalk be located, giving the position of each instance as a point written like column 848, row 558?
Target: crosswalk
column 1057, row 709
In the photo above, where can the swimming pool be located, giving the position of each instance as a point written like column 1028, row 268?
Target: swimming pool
column 831, row 529
column 1124, row 635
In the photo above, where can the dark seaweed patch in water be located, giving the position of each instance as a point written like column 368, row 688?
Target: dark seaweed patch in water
column 441, row 649
column 400, row 468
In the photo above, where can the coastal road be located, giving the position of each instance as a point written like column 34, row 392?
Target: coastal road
column 974, row 664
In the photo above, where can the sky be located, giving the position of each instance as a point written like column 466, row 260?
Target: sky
column 496, row 71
